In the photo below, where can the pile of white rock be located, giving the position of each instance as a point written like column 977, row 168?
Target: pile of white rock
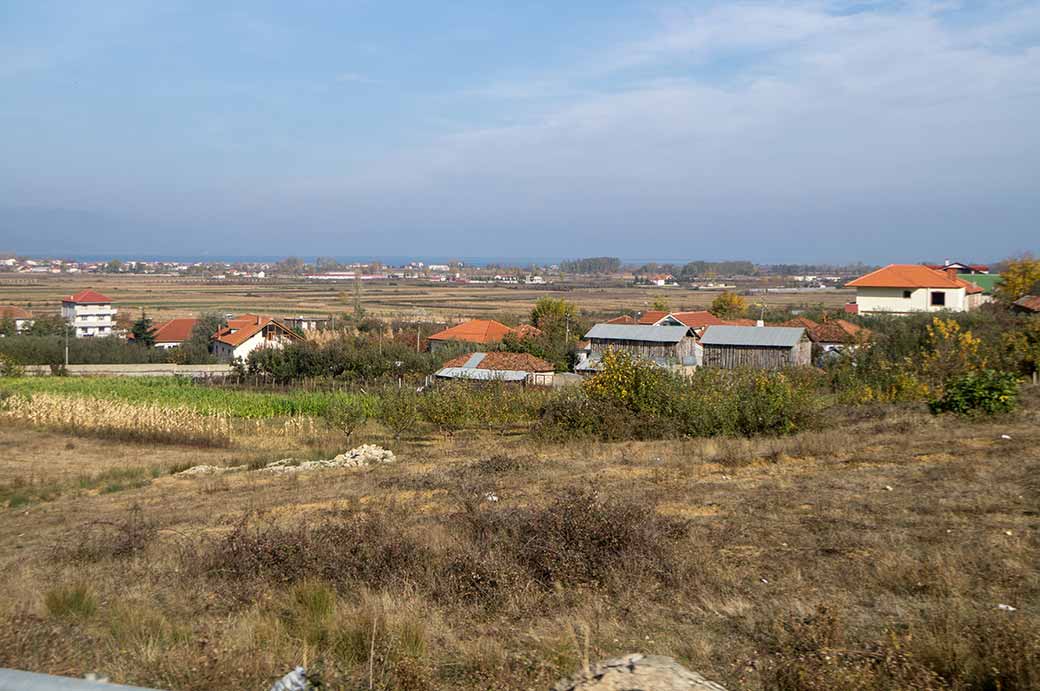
column 364, row 455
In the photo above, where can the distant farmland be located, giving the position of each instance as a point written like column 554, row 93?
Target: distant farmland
column 165, row 297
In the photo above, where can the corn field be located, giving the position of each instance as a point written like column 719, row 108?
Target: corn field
column 119, row 420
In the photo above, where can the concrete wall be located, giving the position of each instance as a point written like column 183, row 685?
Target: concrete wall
column 148, row 370
column 892, row 300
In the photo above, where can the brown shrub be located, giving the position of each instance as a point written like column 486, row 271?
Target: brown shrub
column 112, row 539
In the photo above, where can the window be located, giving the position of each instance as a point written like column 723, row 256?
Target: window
column 938, row 298
column 907, row 294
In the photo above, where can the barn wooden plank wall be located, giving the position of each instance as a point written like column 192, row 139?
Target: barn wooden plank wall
column 647, row 349
column 762, row 357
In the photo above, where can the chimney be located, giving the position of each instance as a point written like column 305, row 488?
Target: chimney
column 952, row 273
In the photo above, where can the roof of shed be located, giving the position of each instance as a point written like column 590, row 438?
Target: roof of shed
column 638, row 332
column 761, row 336
column 496, row 360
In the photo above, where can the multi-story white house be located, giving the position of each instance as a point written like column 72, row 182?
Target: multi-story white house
column 89, row 313
column 905, row 288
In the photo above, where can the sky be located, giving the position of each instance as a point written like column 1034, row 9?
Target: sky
column 803, row 131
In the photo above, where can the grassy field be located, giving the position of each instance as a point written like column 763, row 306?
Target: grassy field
column 167, row 297
column 872, row 554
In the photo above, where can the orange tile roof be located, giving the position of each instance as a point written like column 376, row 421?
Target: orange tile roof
column 694, row 319
column 622, row 319
column 174, row 331
column 911, row 276
column 241, row 329
column 12, row 312
column 88, row 297
column 497, row 360
column 474, row 331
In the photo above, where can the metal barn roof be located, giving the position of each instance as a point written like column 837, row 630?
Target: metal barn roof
column 638, row 332
column 760, row 336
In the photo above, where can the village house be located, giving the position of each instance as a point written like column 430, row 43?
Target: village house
column 480, row 331
column 906, row 288
column 832, row 335
column 173, row 333
column 519, row 368
column 666, row 345
column 762, row 347
column 22, row 318
column 89, row 313
column 656, row 280
column 960, row 267
column 246, row 333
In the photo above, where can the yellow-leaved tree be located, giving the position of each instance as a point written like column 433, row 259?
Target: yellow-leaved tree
column 728, row 305
column 952, row 351
column 1021, row 277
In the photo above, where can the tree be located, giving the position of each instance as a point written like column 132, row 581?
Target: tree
column 728, row 305
column 660, row 304
column 7, row 327
column 553, row 314
column 48, row 325
column 196, row 350
column 143, row 331
column 114, row 266
column 1021, row 277
column 591, row 265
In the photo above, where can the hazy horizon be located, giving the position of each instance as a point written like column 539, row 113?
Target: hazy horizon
column 798, row 132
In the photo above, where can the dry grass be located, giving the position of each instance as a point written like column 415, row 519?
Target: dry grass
column 871, row 555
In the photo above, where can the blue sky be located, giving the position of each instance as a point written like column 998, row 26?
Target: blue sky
column 775, row 131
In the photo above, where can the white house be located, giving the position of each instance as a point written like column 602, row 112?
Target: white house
column 22, row 318
column 245, row 334
column 89, row 313
column 906, row 288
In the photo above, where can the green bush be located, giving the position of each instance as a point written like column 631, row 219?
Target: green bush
column 633, row 399
column 987, row 392
column 346, row 415
column 399, row 411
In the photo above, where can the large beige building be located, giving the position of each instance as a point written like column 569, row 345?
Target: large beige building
column 906, row 288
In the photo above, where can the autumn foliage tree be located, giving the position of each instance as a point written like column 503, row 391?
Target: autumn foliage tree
column 728, row 305
column 1021, row 277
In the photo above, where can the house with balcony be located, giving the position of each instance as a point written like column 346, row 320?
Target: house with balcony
column 89, row 313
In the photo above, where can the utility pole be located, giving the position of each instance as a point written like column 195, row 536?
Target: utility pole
column 66, row 345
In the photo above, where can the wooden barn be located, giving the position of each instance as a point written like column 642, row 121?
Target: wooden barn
column 668, row 346
column 762, row 347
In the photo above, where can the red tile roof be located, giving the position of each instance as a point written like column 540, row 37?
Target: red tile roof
column 1030, row 303
column 88, row 297
column 241, row 329
column 174, row 331
column 912, row 276
column 12, row 312
column 831, row 331
column 495, row 360
column 623, row 319
column 474, row 331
